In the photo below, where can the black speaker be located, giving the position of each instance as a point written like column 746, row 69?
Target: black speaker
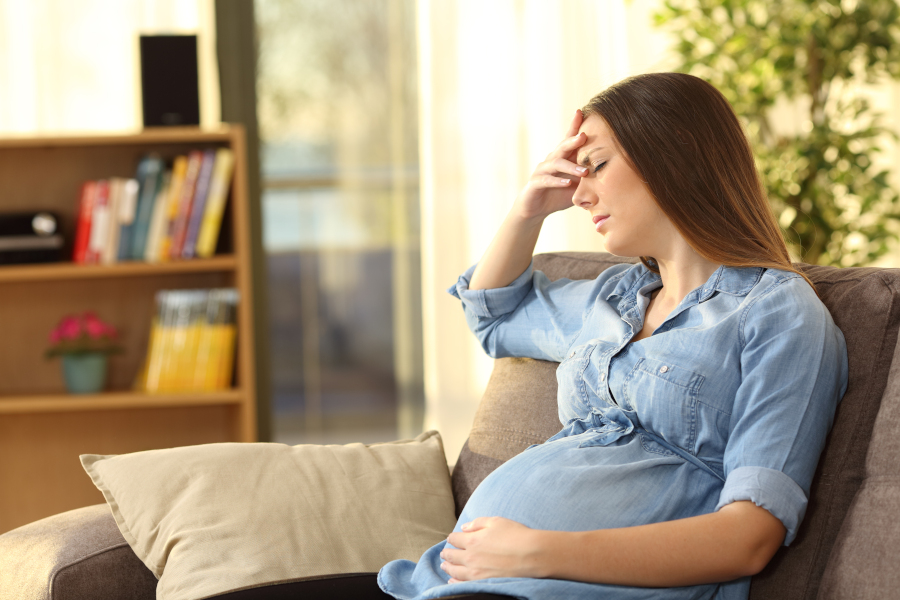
column 169, row 85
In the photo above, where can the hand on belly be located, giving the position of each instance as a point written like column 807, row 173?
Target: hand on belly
column 492, row 547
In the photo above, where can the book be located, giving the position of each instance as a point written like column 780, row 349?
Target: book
column 149, row 177
column 126, row 213
column 110, row 242
column 83, row 224
column 122, row 194
column 99, row 223
column 215, row 203
column 198, row 205
column 158, row 222
column 179, row 167
column 179, row 224
column 192, row 341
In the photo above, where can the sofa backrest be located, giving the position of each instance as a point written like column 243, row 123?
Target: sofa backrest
column 863, row 562
column 519, row 409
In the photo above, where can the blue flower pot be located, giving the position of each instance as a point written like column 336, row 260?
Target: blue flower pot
column 84, row 373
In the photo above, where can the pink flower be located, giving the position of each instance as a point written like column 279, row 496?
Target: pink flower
column 82, row 333
column 94, row 328
column 97, row 329
column 69, row 328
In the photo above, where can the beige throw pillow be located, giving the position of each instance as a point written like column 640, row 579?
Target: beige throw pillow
column 221, row 517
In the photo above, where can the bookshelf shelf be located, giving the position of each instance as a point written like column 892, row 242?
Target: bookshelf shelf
column 156, row 135
column 114, row 400
column 43, row 430
column 60, row 271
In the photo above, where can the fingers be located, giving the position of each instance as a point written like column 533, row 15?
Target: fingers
column 549, row 181
column 475, row 524
column 460, row 539
column 457, row 573
column 453, row 566
column 567, row 149
column 558, row 164
column 563, row 167
column 570, row 144
column 457, row 539
column 575, row 125
column 454, row 557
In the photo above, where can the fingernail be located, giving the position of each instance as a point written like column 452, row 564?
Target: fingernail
column 564, row 182
column 467, row 525
column 581, row 169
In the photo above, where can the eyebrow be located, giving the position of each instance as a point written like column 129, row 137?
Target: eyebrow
column 584, row 159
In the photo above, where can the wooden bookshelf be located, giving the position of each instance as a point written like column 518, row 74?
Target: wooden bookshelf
column 60, row 271
column 43, row 429
column 60, row 403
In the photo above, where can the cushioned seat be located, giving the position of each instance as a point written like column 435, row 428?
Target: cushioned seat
column 846, row 547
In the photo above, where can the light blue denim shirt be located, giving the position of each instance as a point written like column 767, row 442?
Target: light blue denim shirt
column 730, row 399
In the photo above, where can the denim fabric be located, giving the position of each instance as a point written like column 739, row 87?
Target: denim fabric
column 730, row 399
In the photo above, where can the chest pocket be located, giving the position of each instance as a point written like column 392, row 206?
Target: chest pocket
column 664, row 396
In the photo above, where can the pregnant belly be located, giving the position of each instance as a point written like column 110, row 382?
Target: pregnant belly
column 563, row 487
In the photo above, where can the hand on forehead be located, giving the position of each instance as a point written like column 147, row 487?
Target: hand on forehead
column 597, row 137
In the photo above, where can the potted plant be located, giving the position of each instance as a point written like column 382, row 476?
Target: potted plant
column 826, row 183
column 84, row 342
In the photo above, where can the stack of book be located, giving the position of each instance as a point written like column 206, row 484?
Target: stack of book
column 162, row 214
column 192, row 341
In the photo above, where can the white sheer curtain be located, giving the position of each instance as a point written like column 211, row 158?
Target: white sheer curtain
column 74, row 66
column 499, row 82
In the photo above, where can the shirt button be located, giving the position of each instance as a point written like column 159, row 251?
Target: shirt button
column 602, row 377
column 571, row 354
column 663, row 369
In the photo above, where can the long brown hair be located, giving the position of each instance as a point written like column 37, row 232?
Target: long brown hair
column 683, row 139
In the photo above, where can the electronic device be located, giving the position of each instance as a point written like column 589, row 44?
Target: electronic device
column 170, row 89
column 30, row 237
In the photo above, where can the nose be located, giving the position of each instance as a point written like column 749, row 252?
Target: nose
column 584, row 196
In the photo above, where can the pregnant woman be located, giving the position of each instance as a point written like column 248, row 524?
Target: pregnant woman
column 696, row 388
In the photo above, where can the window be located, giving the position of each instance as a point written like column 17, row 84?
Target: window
column 338, row 136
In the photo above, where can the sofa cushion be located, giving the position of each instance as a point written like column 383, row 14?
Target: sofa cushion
column 863, row 303
column 216, row 518
column 863, row 563
column 76, row 555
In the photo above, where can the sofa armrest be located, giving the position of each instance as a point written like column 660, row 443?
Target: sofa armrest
column 76, row 555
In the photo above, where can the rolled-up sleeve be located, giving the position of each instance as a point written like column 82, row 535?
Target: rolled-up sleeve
column 488, row 304
column 793, row 374
column 531, row 317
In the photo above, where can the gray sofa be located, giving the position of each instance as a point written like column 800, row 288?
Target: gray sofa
column 847, row 547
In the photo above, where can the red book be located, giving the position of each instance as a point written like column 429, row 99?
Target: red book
column 83, row 226
column 182, row 219
column 99, row 224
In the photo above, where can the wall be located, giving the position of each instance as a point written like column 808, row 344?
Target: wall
column 74, row 66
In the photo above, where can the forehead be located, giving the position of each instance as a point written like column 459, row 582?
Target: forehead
column 595, row 125
column 598, row 135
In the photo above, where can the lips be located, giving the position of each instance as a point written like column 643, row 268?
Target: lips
column 599, row 220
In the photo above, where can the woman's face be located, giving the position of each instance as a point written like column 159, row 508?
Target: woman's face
column 619, row 202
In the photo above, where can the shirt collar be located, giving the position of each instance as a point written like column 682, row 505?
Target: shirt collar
column 737, row 281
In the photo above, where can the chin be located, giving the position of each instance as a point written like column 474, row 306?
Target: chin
column 618, row 250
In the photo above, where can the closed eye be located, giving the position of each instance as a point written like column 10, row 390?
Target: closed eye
column 599, row 166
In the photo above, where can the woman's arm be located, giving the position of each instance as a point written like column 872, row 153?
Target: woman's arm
column 549, row 189
column 736, row 541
